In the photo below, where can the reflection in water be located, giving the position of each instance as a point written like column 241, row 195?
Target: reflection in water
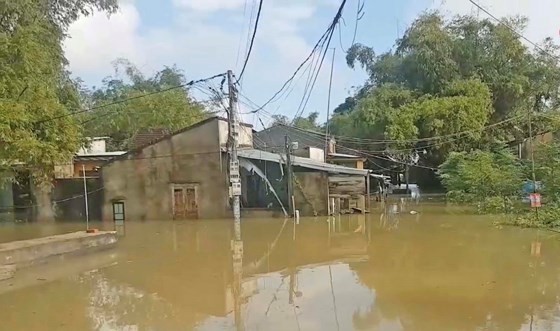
column 434, row 271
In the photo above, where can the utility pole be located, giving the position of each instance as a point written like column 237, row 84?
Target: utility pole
column 235, row 193
column 234, row 178
column 327, row 128
column 329, row 107
column 288, row 146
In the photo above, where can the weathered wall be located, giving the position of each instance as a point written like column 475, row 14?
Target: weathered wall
column 245, row 134
column 274, row 138
column 144, row 179
column 6, row 197
column 71, row 205
column 350, row 188
column 313, row 153
column 64, row 170
column 310, row 193
column 347, row 185
column 525, row 146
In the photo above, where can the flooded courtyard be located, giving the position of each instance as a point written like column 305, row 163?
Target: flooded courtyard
column 438, row 269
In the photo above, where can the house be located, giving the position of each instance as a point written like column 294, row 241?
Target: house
column 89, row 158
column 183, row 175
column 272, row 139
column 523, row 147
column 62, row 198
column 347, row 160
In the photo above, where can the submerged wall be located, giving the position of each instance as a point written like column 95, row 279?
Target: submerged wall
column 144, row 180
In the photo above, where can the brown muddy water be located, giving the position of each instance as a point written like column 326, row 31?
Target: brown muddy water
column 436, row 270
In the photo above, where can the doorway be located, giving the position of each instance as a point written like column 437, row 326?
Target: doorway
column 185, row 201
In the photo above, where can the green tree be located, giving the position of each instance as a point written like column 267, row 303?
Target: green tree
column 36, row 92
column 482, row 176
column 446, row 77
column 306, row 123
column 171, row 109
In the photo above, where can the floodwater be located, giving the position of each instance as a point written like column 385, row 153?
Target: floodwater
column 438, row 269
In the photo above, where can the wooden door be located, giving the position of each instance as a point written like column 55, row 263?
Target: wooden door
column 185, row 202
column 191, row 203
column 178, row 204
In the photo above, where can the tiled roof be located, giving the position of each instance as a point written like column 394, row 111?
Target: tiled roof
column 147, row 137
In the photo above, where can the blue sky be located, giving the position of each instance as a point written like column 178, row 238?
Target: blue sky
column 205, row 37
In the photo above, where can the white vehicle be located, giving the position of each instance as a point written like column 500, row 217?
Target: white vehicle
column 413, row 191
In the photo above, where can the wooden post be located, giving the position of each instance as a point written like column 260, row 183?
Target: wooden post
column 368, row 193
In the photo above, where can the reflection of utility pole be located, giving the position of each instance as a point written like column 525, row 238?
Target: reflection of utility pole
column 237, row 261
column 292, row 271
column 233, row 138
column 288, row 146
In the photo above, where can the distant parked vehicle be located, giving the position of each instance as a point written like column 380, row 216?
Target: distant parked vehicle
column 413, row 191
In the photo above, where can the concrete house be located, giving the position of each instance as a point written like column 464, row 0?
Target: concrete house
column 183, row 175
column 310, row 143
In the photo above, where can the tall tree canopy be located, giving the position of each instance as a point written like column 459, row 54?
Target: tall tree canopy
column 171, row 109
column 306, row 123
column 36, row 92
column 449, row 76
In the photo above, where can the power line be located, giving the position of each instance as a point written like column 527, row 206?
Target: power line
column 311, row 79
column 192, row 82
column 213, row 98
column 252, row 41
column 518, row 34
column 241, row 34
column 359, row 15
column 317, row 45
column 374, row 142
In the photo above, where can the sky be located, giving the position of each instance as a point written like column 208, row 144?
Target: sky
column 207, row 37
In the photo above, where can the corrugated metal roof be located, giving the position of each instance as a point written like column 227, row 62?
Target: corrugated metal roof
column 345, row 155
column 256, row 154
column 101, row 154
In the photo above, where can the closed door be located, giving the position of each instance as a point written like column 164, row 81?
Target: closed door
column 191, row 210
column 178, row 204
column 185, row 204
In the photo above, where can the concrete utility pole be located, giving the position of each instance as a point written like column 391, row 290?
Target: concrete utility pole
column 329, row 108
column 235, row 193
column 290, row 179
column 234, row 177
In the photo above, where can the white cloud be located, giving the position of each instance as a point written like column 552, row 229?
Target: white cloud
column 209, row 5
column 205, row 41
column 96, row 41
column 543, row 14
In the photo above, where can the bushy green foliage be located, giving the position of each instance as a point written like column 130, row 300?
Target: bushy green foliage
column 449, row 76
column 36, row 93
column 305, row 123
column 491, row 179
column 171, row 110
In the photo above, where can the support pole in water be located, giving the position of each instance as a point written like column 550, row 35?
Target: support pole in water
column 532, row 147
column 85, row 196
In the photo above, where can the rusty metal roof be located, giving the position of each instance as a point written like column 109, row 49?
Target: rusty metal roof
column 303, row 162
